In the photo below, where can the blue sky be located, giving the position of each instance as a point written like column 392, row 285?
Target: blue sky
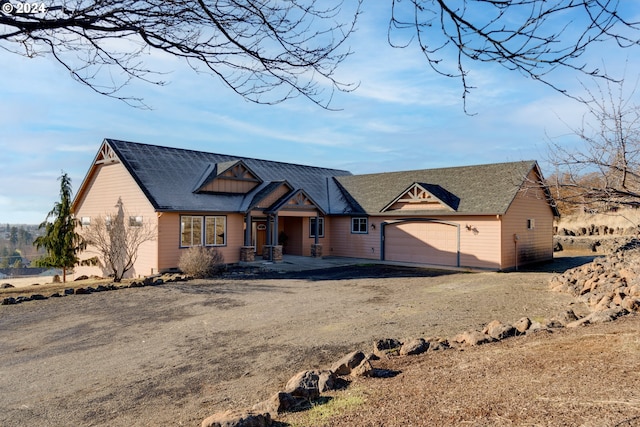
column 403, row 116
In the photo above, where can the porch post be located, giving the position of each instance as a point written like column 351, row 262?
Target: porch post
column 316, row 248
column 247, row 252
column 275, row 230
column 247, row 231
column 269, row 231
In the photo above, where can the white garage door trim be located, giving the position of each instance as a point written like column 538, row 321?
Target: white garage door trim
column 429, row 220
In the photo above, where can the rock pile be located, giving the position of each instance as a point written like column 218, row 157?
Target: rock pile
column 597, row 230
column 605, row 289
column 601, row 245
column 307, row 386
column 148, row 281
column 609, row 286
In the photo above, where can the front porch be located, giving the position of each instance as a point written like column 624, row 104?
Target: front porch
column 294, row 225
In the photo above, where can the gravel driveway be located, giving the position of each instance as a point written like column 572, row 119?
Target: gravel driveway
column 174, row 354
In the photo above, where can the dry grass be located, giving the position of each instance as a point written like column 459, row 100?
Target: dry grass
column 624, row 218
column 336, row 404
column 44, row 284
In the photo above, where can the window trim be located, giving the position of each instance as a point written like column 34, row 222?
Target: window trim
column 136, row 221
column 85, row 221
column 359, row 219
column 531, row 223
column 215, row 222
column 312, row 229
column 202, row 241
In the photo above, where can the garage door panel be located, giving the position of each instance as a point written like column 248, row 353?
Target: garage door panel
column 422, row 242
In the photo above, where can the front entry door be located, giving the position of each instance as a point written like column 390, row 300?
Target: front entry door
column 261, row 236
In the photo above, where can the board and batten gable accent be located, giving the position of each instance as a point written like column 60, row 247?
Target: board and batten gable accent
column 107, row 183
column 275, row 195
column 222, row 185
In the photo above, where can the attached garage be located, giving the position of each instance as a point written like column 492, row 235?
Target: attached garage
column 422, row 241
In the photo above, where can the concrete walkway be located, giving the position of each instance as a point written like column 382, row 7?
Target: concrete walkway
column 302, row 263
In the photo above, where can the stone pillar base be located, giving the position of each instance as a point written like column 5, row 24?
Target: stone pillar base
column 272, row 252
column 247, row 253
column 316, row 250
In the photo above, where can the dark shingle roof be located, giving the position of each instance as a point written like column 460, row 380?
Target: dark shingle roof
column 169, row 176
column 483, row 189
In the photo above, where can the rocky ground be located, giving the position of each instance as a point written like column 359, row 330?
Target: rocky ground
column 581, row 369
column 174, row 354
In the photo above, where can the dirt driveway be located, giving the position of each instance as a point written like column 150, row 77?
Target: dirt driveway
column 174, row 354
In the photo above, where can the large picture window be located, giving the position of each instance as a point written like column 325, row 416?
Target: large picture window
column 312, row 227
column 359, row 225
column 196, row 230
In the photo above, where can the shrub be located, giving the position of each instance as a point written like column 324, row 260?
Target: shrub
column 201, row 262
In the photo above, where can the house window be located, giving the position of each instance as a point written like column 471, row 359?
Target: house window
column 359, row 225
column 312, row 227
column 531, row 224
column 215, row 230
column 195, row 229
column 85, row 221
column 190, row 231
column 135, row 221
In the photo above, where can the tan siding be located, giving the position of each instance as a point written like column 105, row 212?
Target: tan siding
column 169, row 238
column 533, row 245
column 479, row 241
column 306, row 240
column 108, row 183
column 347, row 244
column 479, row 245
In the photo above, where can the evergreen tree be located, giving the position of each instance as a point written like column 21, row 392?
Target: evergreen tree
column 13, row 236
column 60, row 239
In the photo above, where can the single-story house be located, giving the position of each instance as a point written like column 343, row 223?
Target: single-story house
column 494, row 216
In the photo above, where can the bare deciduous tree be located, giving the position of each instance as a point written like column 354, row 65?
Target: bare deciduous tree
column 117, row 239
column 603, row 172
column 270, row 50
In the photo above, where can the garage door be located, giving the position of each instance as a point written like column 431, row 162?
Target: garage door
column 421, row 242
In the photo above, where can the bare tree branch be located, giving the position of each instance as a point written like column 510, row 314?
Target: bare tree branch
column 268, row 51
column 604, row 172
column 117, row 239
column 265, row 50
column 533, row 37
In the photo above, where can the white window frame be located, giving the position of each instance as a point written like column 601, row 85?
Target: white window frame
column 359, row 222
column 85, row 221
column 531, row 223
